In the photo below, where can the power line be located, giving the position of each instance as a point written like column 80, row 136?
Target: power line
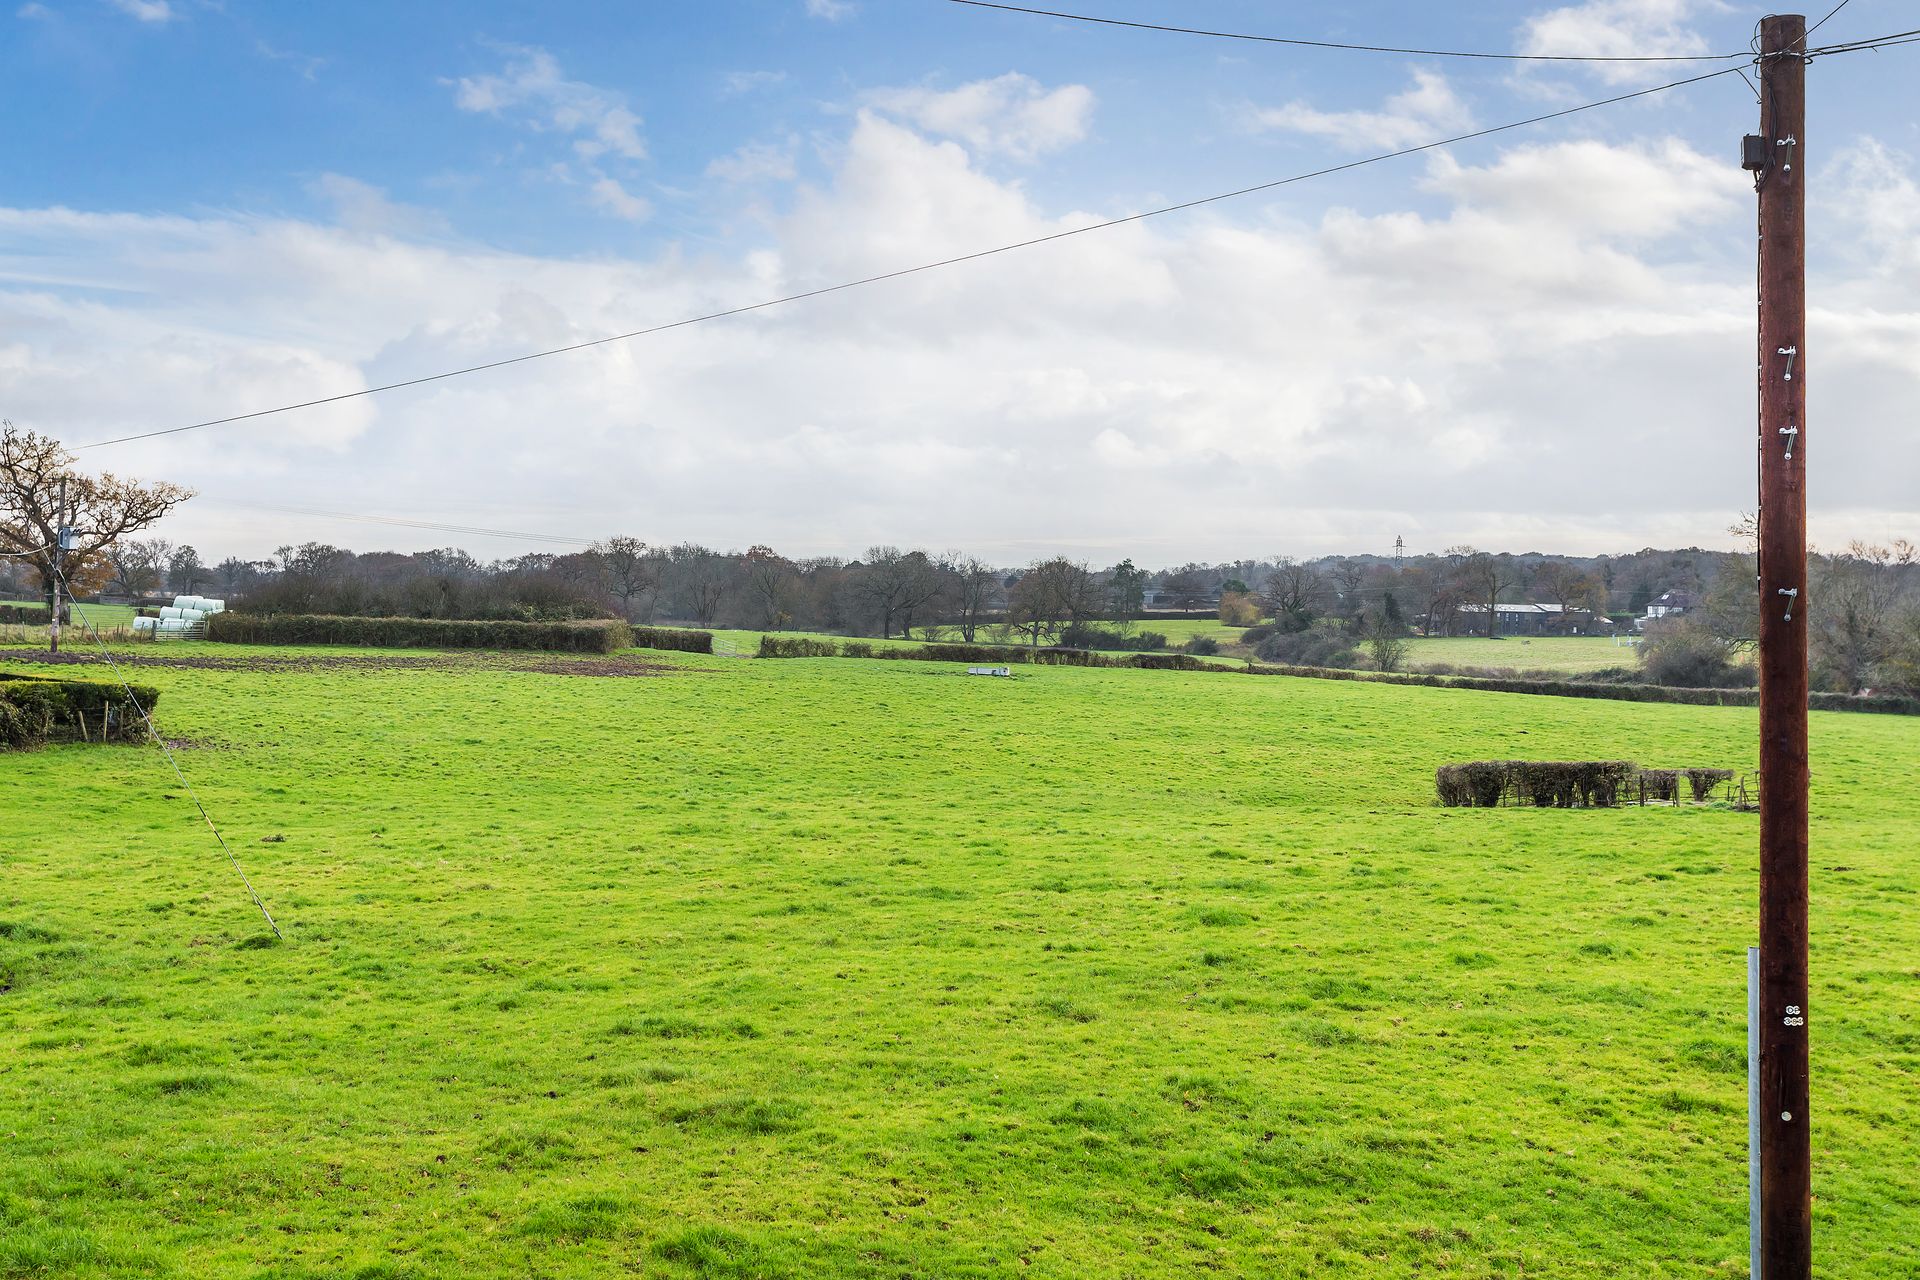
column 479, row 531
column 908, row 271
column 1869, row 42
column 1357, row 48
column 168, row 752
column 1823, row 22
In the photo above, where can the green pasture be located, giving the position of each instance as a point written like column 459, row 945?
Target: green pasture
column 834, row 968
column 1523, row 653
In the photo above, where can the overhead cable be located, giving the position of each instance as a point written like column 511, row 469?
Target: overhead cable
column 915, row 270
column 1357, row 48
column 168, row 752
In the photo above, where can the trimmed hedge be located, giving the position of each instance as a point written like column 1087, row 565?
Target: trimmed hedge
column 36, row 709
column 418, row 633
column 797, row 647
column 1566, row 784
column 669, row 638
column 25, row 615
column 980, row 654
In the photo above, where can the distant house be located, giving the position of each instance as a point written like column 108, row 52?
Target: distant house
column 1530, row 619
column 1672, row 604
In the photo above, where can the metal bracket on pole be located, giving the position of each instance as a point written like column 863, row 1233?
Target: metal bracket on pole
column 1790, row 433
column 1789, row 353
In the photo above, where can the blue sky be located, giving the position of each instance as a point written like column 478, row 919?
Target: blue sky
column 216, row 207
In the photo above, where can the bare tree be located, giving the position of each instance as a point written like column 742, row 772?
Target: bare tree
column 701, row 580
column 100, row 510
column 1348, row 576
column 139, row 565
column 1050, row 596
column 1486, row 576
column 185, row 572
column 771, row 583
column 1386, row 638
column 1293, row 592
column 892, row 585
column 976, row 587
column 631, row 572
column 1852, row 608
column 1570, row 587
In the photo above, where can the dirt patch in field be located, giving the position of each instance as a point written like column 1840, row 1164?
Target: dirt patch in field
column 544, row 664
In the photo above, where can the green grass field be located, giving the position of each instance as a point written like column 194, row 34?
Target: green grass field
column 870, row 969
column 1523, row 653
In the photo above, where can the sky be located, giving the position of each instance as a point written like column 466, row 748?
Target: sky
column 1541, row 340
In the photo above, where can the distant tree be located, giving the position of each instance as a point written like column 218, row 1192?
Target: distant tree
column 977, row 587
column 701, row 580
column 1855, row 600
column 1347, row 576
column 1126, row 592
column 185, row 574
column 892, row 585
column 631, row 573
column 771, row 583
column 100, row 510
column 1236, row 585
column 1050, row 596
column 1386, row 637
column 1685, row 653
column 1572, row 588
column 139, row 565
column 1189, row 590
column 1238, row 609
column 1293, row 593
column 1487, row 575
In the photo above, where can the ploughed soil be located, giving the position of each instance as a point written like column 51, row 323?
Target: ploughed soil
column 445, row 660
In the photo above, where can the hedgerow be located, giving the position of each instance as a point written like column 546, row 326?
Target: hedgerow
column 797, row 647
column 419, row 633
column 38, row 709
column 670, row 638
column 1565, row 784
column 25, row 615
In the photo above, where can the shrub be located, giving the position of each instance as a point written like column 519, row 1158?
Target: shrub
column 856, row 649
column 1203, row 646
column 1703, row 781
column 36, row 709
column 797, row 647
column 1237, row 609
column 1685, row 653
column 29, row 615
column 1321, row 645
column 1558, row 784
column 668, row 638
column 1659, row 784
column 425, row 633
column 1083, row 635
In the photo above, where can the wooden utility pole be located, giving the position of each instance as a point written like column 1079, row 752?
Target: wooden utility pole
column 58, row 555
column 1779, row 163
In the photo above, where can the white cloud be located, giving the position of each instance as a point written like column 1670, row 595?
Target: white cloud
column 615, row 199
column 1425, row 112
column 1616, row 29
column 1011, row 115
column 830, row 10
column 532, row 86
column 360, row 206
column 32, row 11
column 755, row 162
column 1526, row 367
column 737, row 82
column 146, row 10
